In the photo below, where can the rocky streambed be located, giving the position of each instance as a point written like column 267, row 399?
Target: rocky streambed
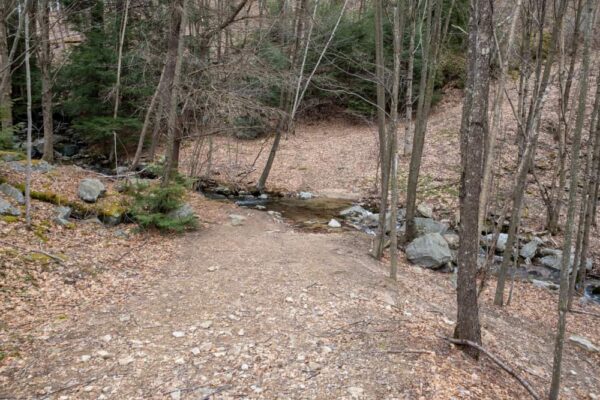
column 434, row 248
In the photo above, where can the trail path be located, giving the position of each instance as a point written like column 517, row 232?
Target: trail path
column 264, row 311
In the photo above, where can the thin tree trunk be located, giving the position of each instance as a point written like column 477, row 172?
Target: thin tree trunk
column 172, row 77
column 393, row 135
column 5, row 71
column 531, row 132
column 29, row 120
column 147, row 121
column 574, row 169
column 473, row 134
column 430, row 53
column 490, row 143
column 45, row 62
column 408, row 134
column 381, row 128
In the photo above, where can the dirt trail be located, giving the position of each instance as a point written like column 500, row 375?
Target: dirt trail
column 264, row 311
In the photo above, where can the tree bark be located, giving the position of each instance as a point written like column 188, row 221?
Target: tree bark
column 5, row 70
column 29, row 119
column 408, row 134
column 574, row 169
column 473, row 134
column 45, row 62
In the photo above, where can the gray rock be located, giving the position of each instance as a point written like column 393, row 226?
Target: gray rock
column 12, row 192
column 584, row 343
column 263, row 196
column 63, row 214
column 530, row 249
column 425, row 210
column 427, row 225
column 36, row 166
column 545, row 284
column 452, row 239
column 10, row 156
column 354, row 211
column 334, row 223
column 429, row 251
column 305, row 195
column 7, row 209
column 91, row 189
column 500, row 243
column 183, row 212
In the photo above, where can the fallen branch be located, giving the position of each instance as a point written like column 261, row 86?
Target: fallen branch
column 585, row 313
column 501, row 364
column 52, row 256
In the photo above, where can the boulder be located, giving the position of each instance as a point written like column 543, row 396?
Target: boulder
column 429, row 251
column 7, row 209
column 427, row 225
column 529, row 250
column 36, row 166
column 334, row 223
column 584, row 343
column 91, row 189
column 545, row 284
column 12, row 192
column 425, row 210
column 500, row 243
column 183, row 212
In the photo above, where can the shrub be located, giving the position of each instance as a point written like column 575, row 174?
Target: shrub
column 162, row 208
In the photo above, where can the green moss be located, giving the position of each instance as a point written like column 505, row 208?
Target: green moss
column 38, row 258
column 11, row 219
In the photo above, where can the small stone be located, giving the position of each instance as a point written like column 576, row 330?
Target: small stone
column 300, row 357
column 244, row 367
column 289, row 300
column 90, row 190
column 86, row 358
column 326, row 349
column 124, row 318
column 241, row 332
column 176, row 395
column 233, row 317
column 103, row 354
column 206, row 346
column 107, row 338
column 356, row 392
column 88, row 389
column 12, row 192
column 334, row 223
column 196, row 351
column 263, row 196
column 213, row 269
column 178, row 334
column 126, row 361
column 206, row 324
column 180, row 361
column 237, row 220
column 7, row 209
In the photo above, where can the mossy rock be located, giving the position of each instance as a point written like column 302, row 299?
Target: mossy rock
column 38, row 258
column 6, row 155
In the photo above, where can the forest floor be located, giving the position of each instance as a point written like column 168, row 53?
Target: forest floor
column 264, row 310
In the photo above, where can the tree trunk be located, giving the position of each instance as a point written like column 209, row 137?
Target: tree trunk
column 393, row 136
column 29, row 119
column 45, row 62
column 5, row 71
column 490, row 143
column 381, row 128
column 573, row 185
column 172, row 77
column 408, row 135
column 430, row 45
column 473, row 134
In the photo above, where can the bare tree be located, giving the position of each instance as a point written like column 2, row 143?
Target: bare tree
column 5, row 67
column 408, row 133
column 45, row 62
column 474, row 130
column 590, row 11
column 29, row 117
